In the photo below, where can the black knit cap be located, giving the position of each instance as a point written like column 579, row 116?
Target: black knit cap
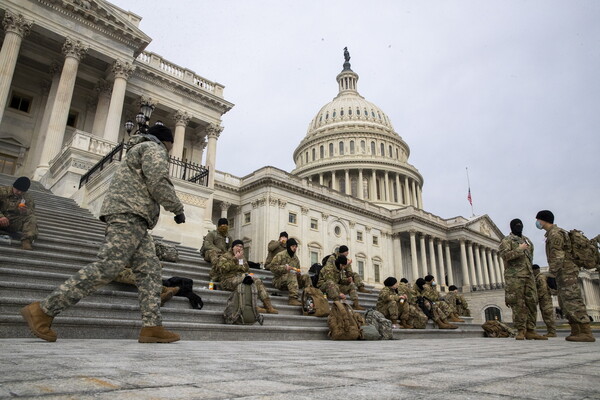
column 236, row 242
column 452, row 287
column 291, row 242
column 22, row 184
column 161, row 132
column 222, row 221
column 343, row 249
column 545, row 215
column 390, row 281
column 535, row 266
column 404, row 280
column 420, row 283
column 341, row 260
column 283, row 234
column 428, row 278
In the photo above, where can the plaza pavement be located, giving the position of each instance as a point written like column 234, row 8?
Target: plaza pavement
column 469, row 368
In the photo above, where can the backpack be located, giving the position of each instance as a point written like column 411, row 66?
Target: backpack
column 186, row 289
column 166, row 252
column 241, row 306
column 583, row 250
column 370, row 332
column 344, row 324
column 314, row 303
column 497, row 329
column 314, row 272
column 381, row 323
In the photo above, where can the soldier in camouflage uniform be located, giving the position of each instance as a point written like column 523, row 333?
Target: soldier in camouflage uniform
column 520, row 292
column 233, row 268
column 392, row 305
column 127, row 277
column 344, row 251
column 215, row 243
column 275, row 247
column 545, row 301
column 286, row 272
column 448, row 311
column 334, row 282
column 457, row 302
column 566, row 272
column 17, row 211
column 431, row 308
column 131, row 207
column 416, row 318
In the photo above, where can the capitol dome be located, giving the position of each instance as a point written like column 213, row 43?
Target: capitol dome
column 351, row 146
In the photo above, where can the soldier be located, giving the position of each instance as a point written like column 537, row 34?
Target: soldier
column 392, row 305
column 131, row 207
column 344, row 251
column 457, row 302
column 215, row 243
column 566, row 272
column 545, row 301
column 17, row 211
column 286, row 272
column 275, row 247
column 233, row 268
column 416, row 318
column 334, row 282
column 449, row 312
column 127, row 277
column 430, row 307
column 520, row 292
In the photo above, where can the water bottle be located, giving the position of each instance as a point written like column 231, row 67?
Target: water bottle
column 211, row 285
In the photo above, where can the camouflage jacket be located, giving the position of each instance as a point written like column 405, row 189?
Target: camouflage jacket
column 215, row 241
column 558, row 250
column 331, row 261
column 517, row 262
column 406, row 289
column 141, row 183
column 9, row 203
column 230, row 267
column 541, row 283
column 386, row 295
column 280, row 261
column 455, row 299
column 274, row 247
column 430, row 293
column 331, row 273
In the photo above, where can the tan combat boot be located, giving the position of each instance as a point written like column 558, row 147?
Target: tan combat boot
column 585, row 334
column 531, row 334
column 551, row 333
column 157, row 334
column 520, row 335
column 357, row 306
column 168, row 294
column 26, row 244
column 362, row 289
column 444, row 325
column 294, row 302
column 455, row 318
column 574, row 330
column 39, row 322
column 269, row 307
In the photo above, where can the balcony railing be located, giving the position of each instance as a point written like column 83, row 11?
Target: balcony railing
column 179, row 169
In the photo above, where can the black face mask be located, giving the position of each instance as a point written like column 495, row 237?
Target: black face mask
column 291, row 252
column 516, row 227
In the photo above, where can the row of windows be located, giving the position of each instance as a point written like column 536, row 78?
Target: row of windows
column 342, row 148
column 350, row 112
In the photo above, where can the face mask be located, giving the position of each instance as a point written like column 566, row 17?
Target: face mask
column 433, row 283
column 223, row 230
column 538, row 224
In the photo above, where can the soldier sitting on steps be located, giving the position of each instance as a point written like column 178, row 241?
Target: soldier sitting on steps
column 336, row 283
column 286, row 272
column 17, row 211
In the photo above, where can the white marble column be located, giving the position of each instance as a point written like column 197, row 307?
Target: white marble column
column 398, row 190
column 347, row 188
column 74, row 52
column 360, row 186
column 432, row 261
column 449, row 270
column 333, row 181
column 420, row 197
column 16, row 28
column 499, row 275
column 490, row 263
column 486, row 275
column 501, row 265
column 321, row 179
column 475, row 280
column 477, row 258
column 212, row 132
column 121, row 71
column 373, row 185
column 464, row 265
column 406, row 191
column 103, row 90
column 424, row 268
column 397, row 247
column 386, row 181
column 181, row 119
column 224, row 208
column 442, row 270
column 414, row 194
column 413, row 256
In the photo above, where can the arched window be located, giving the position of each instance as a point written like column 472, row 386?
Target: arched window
column 349, row 111
column 322, row 152
column 330, row 149
column 341, row 148
column 373, row 148
column 334, row 113
column 327, row 116
column 314, row 154
column 352, row 147
column 382, row 148
column 390, row 151
column 306, row 159
column 397, row 155
column 363, row 146
column 342, row 112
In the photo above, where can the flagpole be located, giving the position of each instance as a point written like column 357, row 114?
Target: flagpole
column 470, row 199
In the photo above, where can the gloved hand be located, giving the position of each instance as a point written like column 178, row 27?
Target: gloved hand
column 180, row 218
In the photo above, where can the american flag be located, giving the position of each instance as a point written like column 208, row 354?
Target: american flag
column 470, row 198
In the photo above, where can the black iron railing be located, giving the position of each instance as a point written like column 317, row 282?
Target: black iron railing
column 179, row 169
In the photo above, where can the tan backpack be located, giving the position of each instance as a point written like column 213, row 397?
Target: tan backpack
column 314, row 302
column 583, row 250
column 344, row 323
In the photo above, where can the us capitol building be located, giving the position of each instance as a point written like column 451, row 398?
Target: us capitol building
column 74, row 72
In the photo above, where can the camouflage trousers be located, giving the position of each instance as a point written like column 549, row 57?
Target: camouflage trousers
column 445, row 309
column 396, row 310
column 355, row 277
column 26, row 225
column 569, row 294
column 127, row 277
column 547, row 310
column 416, row 318
column 127, row 243
column 212, row 256
column 521, row 296
column 292, row 282
column 463, row 309
column 231, row 283
column 333, row 290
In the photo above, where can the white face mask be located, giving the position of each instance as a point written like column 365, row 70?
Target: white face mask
column 538, row 224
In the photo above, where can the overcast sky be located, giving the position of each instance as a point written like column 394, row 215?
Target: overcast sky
column 509, row 89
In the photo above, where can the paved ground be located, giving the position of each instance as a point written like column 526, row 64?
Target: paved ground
column 413, row 369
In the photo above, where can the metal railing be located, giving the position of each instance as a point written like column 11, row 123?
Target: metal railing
column 178, row 169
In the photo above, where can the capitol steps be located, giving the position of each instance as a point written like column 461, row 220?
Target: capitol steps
column 69, row 239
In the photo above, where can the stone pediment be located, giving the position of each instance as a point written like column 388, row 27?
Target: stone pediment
column 485, row 226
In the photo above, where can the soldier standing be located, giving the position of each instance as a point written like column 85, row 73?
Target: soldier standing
column 286, row 272
column 520, row 292
column 17, row 211
column 275, row 247
column 566, row 272
column 139, row 187
column 545, row 301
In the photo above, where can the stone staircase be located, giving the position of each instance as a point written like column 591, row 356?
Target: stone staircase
column 69, row 239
